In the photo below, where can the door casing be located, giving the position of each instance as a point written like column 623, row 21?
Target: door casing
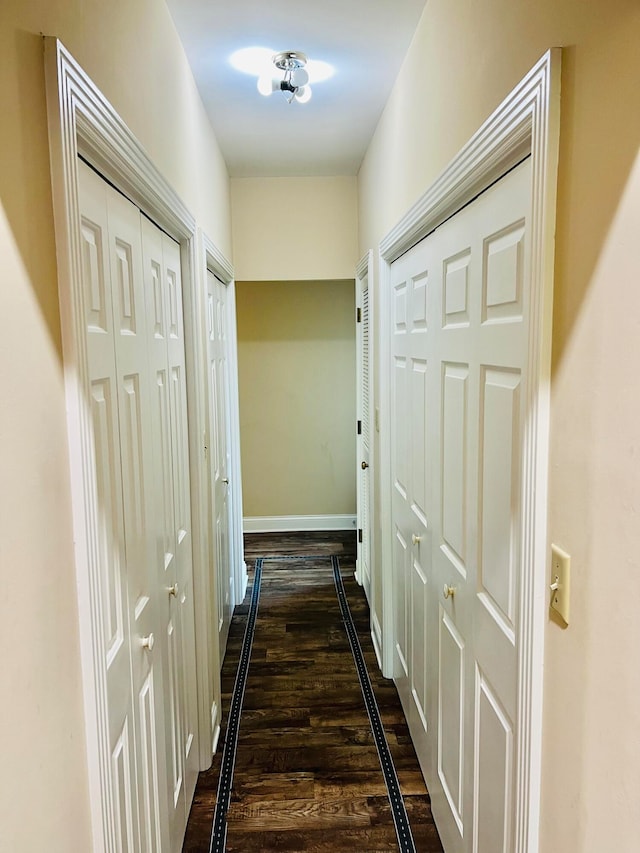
column 526, row 123
column 82, row 122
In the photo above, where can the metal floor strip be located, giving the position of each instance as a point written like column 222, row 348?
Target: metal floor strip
column 400, row 817
column 219, row 828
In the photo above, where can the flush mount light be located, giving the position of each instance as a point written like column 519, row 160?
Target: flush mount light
column 289, row 71
column 293, row 78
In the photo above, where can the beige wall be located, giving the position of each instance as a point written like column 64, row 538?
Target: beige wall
column 131, row 51
column 294, row 229
column 296, row 355
column 465, row 58
column 295, row 244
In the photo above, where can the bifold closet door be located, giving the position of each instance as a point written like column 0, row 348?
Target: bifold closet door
column 173, row 561
column 135, row 342
column 459, row 354
column 121, row 417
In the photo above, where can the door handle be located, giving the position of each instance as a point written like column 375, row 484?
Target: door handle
column 148, row 642
column 415, row 538
column 225, row 480
column 364, row 465
column 449, row 591
column 173, row 590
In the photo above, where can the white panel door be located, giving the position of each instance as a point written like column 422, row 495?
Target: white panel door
column 110, row 543
column 183, row 600
column 363, row 456
column 173, row 562
column 459, row 612
column 124, row 448
column 218, row 424
column 410, row 493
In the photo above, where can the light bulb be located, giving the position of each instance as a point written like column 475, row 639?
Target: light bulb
column 267, row 84
column 299, row 77
column 303, row 95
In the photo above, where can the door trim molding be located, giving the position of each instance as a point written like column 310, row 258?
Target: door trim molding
column 82, row 122
column 526, row 123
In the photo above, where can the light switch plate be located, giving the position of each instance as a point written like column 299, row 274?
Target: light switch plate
column 560, row 582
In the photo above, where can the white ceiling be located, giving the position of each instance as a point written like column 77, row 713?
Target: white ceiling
column 365, row 40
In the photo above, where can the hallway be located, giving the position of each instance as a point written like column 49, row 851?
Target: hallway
column 307, row 774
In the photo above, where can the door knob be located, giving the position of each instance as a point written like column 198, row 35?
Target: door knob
column 364, row 466
column 148, row 642
column 449, row 591
column 416, row 539
column 225, row 480
column 173, row 590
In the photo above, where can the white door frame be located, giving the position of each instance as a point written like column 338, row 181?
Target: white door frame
column 526, row 123
column 83, row 122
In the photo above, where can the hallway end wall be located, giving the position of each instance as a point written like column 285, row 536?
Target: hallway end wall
column 294, row 229
column 296, row 365
column 464, row 60
column 132, row 53
column 295, row 243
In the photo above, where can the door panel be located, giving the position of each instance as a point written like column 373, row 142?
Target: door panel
column 500, row 466
column 182, row 535
column 454, row 486
column 460, row 319
column 124, row 788
column 137, row 465
column 451, row 751
column 493, row 772
column 173, row 559
column 101, row 334
column 419, row 622
column 419, row 469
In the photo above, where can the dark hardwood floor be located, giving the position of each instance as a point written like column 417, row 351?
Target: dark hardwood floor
column 307, row 774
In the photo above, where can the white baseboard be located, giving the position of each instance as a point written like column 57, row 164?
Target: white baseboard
column 292, row 523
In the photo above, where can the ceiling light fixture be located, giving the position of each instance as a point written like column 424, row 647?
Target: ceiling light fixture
column 294, row 84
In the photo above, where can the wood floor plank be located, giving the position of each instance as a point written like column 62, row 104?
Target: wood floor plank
column 307, row 774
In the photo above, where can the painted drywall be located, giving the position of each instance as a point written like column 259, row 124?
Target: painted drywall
column 296, row 364
column 465, row 58
column 132, row 52
column 294, row 229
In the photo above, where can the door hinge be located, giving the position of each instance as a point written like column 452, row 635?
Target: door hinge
column 359, row 427
column 360, row 535
column 359, row 315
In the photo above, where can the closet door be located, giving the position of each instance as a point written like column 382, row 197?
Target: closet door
column 482, row 343
column 411, row 379
column 122, row 419
column 183, row 600
column 172, row 552
column 218, row 441
column 459, row 353
column 103, row 407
